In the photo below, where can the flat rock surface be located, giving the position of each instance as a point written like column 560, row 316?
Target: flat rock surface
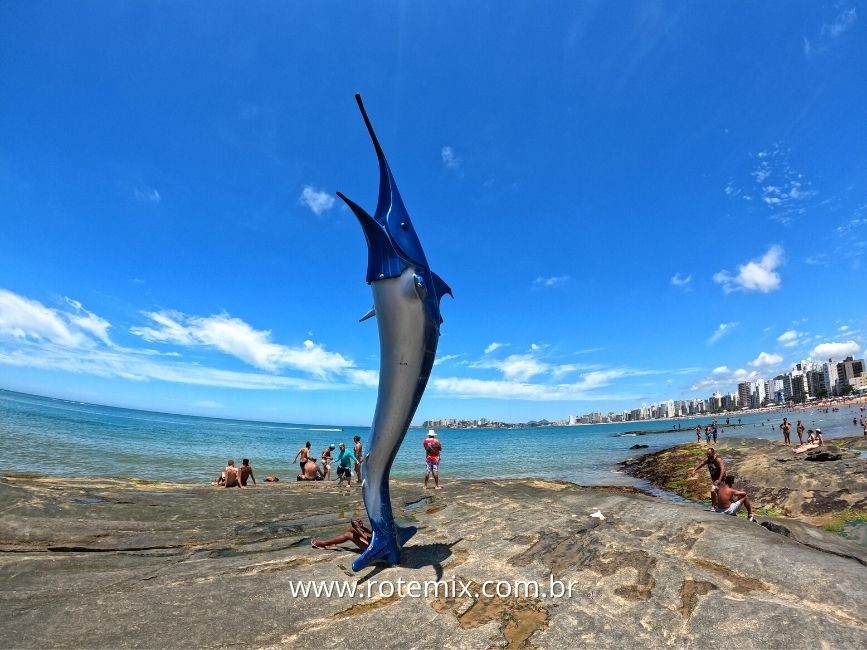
column 113, row 563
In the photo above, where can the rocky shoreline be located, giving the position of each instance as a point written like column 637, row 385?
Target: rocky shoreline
column 123, row 563
column 826, row 487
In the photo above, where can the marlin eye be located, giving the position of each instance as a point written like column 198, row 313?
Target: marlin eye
column 403, row 225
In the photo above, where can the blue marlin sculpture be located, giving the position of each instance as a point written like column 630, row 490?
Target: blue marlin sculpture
column 406, row 303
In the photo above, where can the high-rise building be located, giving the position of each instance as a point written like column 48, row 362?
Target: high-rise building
column 745, row 392
column 832, row 379
column 848, row 369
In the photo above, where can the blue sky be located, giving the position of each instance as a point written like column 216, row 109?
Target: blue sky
column 631, row 201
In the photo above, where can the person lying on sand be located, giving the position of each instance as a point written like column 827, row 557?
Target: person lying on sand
column 729, row 500
column 358, row 533
column 272, row 479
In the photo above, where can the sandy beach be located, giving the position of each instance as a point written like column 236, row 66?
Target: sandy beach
column 126, row 563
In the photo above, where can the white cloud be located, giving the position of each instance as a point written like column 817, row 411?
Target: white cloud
column 681, row 281
column 22, row 318
column 764, row 359
column 790, row 338
column 318, row 201
column 837, row 350
column 147, row 195
column 450, row 160
column 724, row 380
column 555, row 281
column 842, row 23
column 494, row 346
column 721, row 331
column 756, row 275
column 447, row 357
column 844, row 328
column 721, row 370
column 520, row 367
column 235, row 337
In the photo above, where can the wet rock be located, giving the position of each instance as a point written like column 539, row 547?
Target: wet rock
column 639, row 446
column 207, row 567
column 822, row 454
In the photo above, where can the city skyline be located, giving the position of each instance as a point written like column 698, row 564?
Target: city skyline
column 623, row 213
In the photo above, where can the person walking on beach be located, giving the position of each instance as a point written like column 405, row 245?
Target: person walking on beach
column 358, row 450
column 713, row 431
column 432, row 448
column 717, row 470
column 327, row 459
column 799, row 429
column 345, row 461
column 304, row 453
column 245, row 472
column 729, row 500
column 786, row 428
column 698, row 433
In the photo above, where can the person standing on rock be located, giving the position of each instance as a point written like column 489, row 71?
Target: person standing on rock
column 786, row 428
column 698, row 433
column 327, row 460
column 717, row 470
column 729, row 500
column 432, row 448
column 799, row 429
column 304, row 453
column 358, row 450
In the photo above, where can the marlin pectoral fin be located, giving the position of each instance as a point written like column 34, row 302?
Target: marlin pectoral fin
column 369, row 314
column 404, row 533
column 441, row 287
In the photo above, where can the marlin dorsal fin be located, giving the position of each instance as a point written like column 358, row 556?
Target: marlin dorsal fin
column 440, row 287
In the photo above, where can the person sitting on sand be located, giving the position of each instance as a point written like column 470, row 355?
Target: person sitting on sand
column 358, row 533
column 232, row 476
column 717, row 470
column 246, row 472
column 345, row 462
column 327, row 460
column 729, row 500
column 304, row 453
column 310, row 472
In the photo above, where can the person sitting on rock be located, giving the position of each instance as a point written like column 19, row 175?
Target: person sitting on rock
column 358, row 533
column 231, row 476
column 246, row 472
column 717, row 470
column 311, row 471
column 818, row 438
column 729, row 500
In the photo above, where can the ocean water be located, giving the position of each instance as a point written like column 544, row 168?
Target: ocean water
column 52, row 436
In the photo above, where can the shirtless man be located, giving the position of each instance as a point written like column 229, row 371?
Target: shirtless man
column 786, row 427
column 729, row 500
column 799, row 429
column 233, row 478
column 359, row 455
column 304, row 453
column 310, row 472
column 246, row 472
column 717, row 470
column 327, row 460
